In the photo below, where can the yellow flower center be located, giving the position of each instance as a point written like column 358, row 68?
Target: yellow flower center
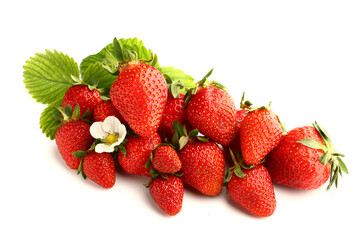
column 112, row 138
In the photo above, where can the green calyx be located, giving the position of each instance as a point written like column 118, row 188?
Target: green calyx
column 237, row 169
column 174, row 87
column 181, row 136
column 245, row 104
column 203, row 83
column 68, row 114
column 330, row 155
column 124, row 57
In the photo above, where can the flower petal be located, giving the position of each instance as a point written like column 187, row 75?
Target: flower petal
column 102, row 147
column 121, row 132
column 111, row 124
column 97, row 131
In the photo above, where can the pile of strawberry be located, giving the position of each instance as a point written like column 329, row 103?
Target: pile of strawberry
column 197, row 139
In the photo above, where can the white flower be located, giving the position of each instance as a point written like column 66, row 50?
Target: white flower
column 110, row 132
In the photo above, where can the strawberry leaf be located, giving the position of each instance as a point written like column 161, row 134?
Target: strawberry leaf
column 178, row 76
column 132, row 44
column 312, row 144
column 48, row 123
column 48, row 76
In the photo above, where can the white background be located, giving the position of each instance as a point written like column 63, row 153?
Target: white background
column 304, row 56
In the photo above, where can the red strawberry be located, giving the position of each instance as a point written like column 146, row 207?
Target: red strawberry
column 166, row 160
column 174, row 110
column 73, row 135
column 138, row 151
column 139, row 94
column 235, row 144
column 212, row 111
column 260, row 132
column 100, row 168
column 168, row 193
column 82, row 95
column 253, row 190
column 305, row 159
column 106, row 109
column 203, row 166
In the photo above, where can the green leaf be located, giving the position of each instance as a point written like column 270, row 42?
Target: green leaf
column 79, row 154
column 68, row 110
column 118, row 50
column 132, row 44
column 95, row 71
column 122, row 149
column 76, row 113
column 324, row 159
column 183, row 141
column 238, row 172
column 312, row 144
column 193, row 133
column 48, row 123
column 342, row 165
column 48, row 76
column 178, row 75
column 178, row 128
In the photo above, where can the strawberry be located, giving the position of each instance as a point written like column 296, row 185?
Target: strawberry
column 100, row 168
column 139, row 93
column 254, row 191
column 203, row 166
column 260, row 132
column 82, row 95
column 211, row 110
column 138, row 151
column 72, row 135
column 165, row 159
column 174, row 110
column 106, row 109
column 168, row 193
column 235, row 144
column 305, row 159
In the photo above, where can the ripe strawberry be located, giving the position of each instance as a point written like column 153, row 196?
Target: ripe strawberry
column 235, row 144
column 140, row 94
column 305, row 159
column 106, row 109
column 174, row 110
column 100, row 168
column 72, row 135
column 203, row 166
column 138, row 151
column 168, row 193
column 82, row 95
column 212, row 111
column 260, row 132
column 254, row 191
column 166, row 160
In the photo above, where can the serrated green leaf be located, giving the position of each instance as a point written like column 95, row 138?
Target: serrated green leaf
column 48, row 76
column 49, row 124
column 178, row 75
column 95, row 71
column 132, row 44
column 312, row 144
